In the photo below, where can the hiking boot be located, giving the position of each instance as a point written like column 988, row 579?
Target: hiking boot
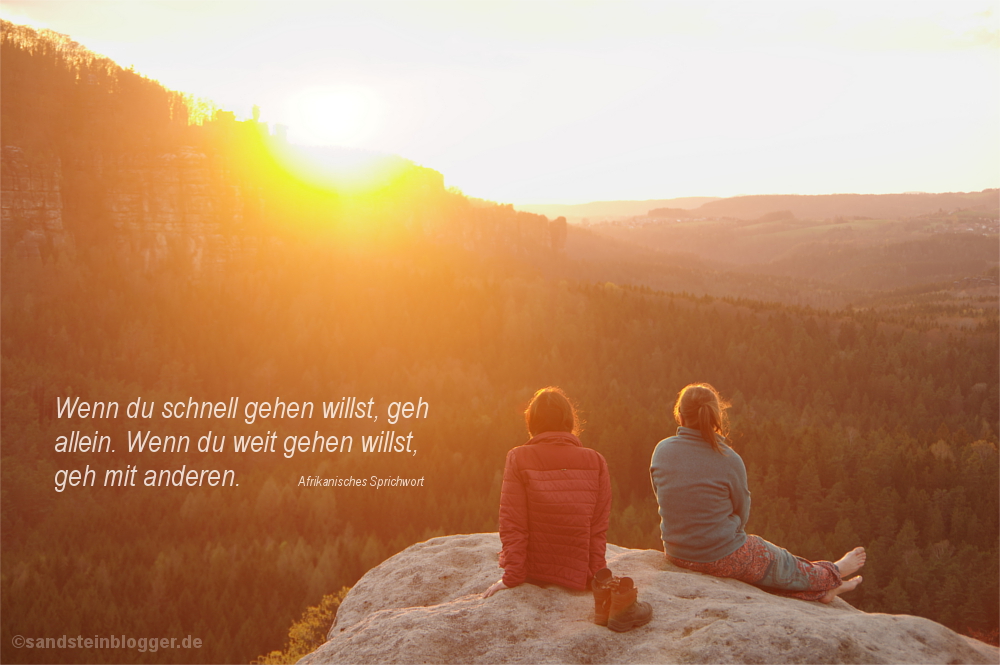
column 602, row 585
column 626, row 611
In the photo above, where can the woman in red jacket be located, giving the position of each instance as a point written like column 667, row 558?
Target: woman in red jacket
column 554, row 503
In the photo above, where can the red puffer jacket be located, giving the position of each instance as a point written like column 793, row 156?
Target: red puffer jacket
column 554, row 508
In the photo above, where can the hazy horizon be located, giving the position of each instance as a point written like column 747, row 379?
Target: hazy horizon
column 732, row 196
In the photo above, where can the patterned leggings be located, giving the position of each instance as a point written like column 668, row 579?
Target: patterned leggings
column 772, row 568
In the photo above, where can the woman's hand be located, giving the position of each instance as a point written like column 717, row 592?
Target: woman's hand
column 497, row 586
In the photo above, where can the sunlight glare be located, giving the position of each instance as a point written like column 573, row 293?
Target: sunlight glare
column 349, row 171
column 332, row 115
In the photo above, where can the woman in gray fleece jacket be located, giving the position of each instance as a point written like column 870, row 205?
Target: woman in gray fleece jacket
column 701, row 488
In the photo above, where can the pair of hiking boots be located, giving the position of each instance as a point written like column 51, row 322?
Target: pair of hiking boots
column 616, row 603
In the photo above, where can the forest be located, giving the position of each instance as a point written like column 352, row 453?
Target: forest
column 861, row 424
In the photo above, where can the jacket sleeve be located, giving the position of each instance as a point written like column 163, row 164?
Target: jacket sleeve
column 513, row 523
column 599, row 523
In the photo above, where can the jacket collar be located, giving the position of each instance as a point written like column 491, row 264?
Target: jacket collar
column 555, row 438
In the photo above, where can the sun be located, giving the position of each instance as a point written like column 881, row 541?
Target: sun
column 332, row 116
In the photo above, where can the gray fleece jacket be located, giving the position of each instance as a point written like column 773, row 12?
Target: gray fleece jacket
column 703, row 497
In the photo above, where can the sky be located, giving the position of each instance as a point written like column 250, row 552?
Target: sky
column 571, row 101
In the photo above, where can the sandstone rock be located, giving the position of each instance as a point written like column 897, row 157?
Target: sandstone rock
column 31, row 205
column 160, row 207
column 424, row 606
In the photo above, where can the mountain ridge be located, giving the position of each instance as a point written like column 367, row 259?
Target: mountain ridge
column 601, row 209
column 802, row 206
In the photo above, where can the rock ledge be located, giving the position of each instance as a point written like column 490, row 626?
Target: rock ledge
column 423, row 606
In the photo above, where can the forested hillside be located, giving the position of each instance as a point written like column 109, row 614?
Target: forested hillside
column 850, row 257
column 873, row 426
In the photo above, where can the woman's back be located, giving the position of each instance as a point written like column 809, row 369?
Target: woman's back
column 555, row 501
column 704, row 505
column 702, row 495
column 554, row 508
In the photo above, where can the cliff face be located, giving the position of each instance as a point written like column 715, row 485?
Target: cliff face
column 31, row 207
column 100, row 160
column 151, row 207
column 97, row 157
column 180, row 206
column 424, row 605
column 193, row 208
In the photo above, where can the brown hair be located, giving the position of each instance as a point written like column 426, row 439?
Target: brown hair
column 551, row 411
column 699, row 406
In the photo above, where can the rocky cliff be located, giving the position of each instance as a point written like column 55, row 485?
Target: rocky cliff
column 31, row 207
column 152, row 207
column 194, row 208
column 424, row 606
column 100, row 160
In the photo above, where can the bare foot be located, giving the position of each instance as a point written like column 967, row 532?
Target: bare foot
column 851, row 562
column 849, row 585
